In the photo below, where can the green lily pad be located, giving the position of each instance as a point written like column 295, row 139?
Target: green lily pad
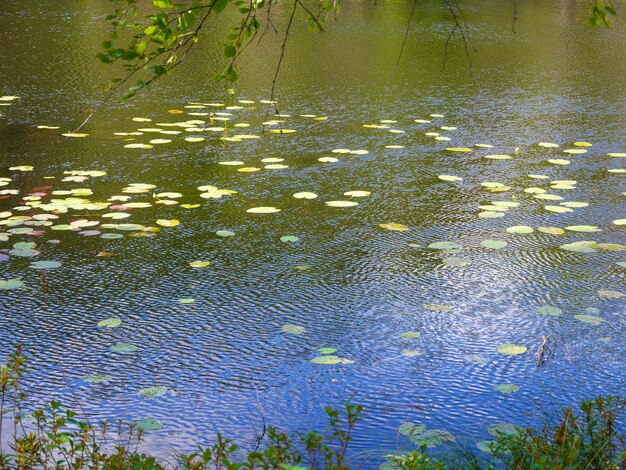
column 148, row 424
column 511, row 349
column 123, row 348
column 578, row 247
column 225, row 233
column 110, row 323
column 412, row 352
column 10, row 284
column 341, row 203
column 589, row 319
column 432, row 438
column 502, row 429
column 289, row 238
column 293, row 329
column 485, row 446
column 444, row 246
column 326, row 350
column 394, row 227
column 611, row 294
column 549, row 310
column 438, row 307
column 327, row 360
column 263, row 210
column 410, row 335
column 583, row 228
column 506, row 388
column 152, row 392
column 44, row 265
column 97, row 378
column 523, row 229
column 411, row 429
column 493, row 244
column 186, row 301
column 449, row 178
column 199, row 264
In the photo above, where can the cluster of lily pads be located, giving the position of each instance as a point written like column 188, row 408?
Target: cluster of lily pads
column 53, row 207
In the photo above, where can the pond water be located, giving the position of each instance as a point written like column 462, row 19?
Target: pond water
column 416, row 327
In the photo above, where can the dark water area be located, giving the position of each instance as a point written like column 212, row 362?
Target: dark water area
column 351, row 284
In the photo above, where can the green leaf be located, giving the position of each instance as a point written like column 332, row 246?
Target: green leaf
column 163, row 3
column 229, row 51
column 219, row 5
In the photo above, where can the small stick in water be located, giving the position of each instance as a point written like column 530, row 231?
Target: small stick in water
column 543, row 352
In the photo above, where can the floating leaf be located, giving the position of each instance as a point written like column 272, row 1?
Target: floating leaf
column 110, row 322
column 357, row 193
column 148, row 424
column 293, row 329
column 412, row 352
column 450, row 178
column 619, row 222
column 511, row 349
column 341, row 203
column 438, row 307
column 455, row 262
column 485, row 446
column 10, row 284
column 123, row 348
column 611, row 294
column 444, row 246
column 152, row 392
column 506, row 388
column 44, row 265
column 459, row 149
column 579, row 247
column 326, row 350
column 411, row 429
column 589, row 319
column 186, row 301
column 394, row 227
column 410, row 335
column 490, row 214
column 289, row 238
column 263, row 210
column 499, row 429
column 199, row 264
column 305, row 195
column 97, row 378
column 522, row 229
column 493, row 244
column 225, row 233
column 327, row 360
column 549, row 310
column 432, row 438
column 558, row 209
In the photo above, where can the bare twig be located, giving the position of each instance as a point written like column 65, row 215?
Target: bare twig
column 259, row 437
column 406, row 32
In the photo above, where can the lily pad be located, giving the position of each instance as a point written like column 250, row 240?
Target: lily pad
column 549, row 310
column 305, row 195
column 410, row 335
column 326, row 350
column 511, row 349
column 444, row 246
column 485, row 446
column 45, row 265
column 289, row 238
column 199, row 264
column 152, row 392
column 411, row 429
column 293, row 329
column 225, row 233
column 123, row 348
column 493, row 244
column 432, row 438
column 168, row 223
column 449, row 178
column 394, row 227
column 611, row 294
column 341, row 203
column 507, row 388
column 521, row 229
column 263, row 210
column 148, row 424
column 110, row 323
column 502, row 429
column 10, row 284
column 327, row 360
column 589, row 319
